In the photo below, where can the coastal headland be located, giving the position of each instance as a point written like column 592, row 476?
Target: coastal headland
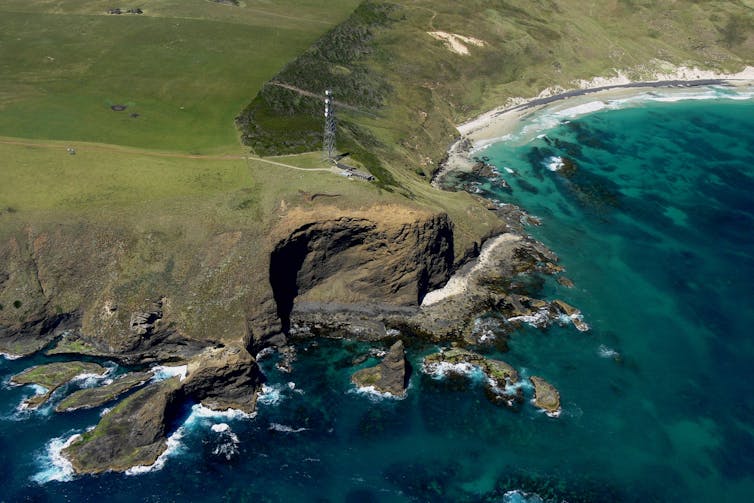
column 134, row 227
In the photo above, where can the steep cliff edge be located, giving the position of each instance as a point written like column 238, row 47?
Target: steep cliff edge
column 361, row 258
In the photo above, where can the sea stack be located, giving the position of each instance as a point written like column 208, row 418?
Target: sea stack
column 389, row 376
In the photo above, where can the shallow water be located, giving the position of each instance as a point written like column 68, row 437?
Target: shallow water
column 652, row 216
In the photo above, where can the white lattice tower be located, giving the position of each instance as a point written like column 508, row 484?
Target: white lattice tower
column 328, row 141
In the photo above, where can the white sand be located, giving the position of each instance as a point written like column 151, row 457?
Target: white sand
column 459, row 282
column 502, row 120
column 456, row 43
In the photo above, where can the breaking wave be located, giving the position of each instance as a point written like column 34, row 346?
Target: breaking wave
column 55, row 467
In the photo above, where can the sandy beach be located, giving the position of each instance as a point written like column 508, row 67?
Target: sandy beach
column 588, row 95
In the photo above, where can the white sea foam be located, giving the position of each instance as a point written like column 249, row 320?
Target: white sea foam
column 104, row 411
column 519, row 496
column 227, row 445
column 375, row 395
column 90, row 380
column 163, row 372
column 9, row 356
column 219, row 428
column 551, row 116
column 606, row 352
column 285, row 428
column 554, row 163
column 174, row 446
column 199, row 411
column 55, row 467
column 440, row 370
column 266, row 352
column 539, row 319
column 509, row 170
column 271, row 395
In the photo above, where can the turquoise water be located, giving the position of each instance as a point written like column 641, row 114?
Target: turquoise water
column 653, row 218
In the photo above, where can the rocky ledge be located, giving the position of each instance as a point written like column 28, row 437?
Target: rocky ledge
column 52, row 376
column 501, row 377
column 135, row 431
column 94, row 397
column 389, row 376
column 546, row 396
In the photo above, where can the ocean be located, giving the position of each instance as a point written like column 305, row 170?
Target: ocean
column 649, row 202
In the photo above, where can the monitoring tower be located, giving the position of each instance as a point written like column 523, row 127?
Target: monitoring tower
column 328, row 142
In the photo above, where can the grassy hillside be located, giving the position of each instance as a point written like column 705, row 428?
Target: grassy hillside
column 416, row 88
column 186, row 67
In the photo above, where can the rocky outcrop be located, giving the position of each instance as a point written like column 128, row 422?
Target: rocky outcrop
column 133, row 433
column 501, row 377
column 52, row 376
column 546, row 396
column 389, row 376
column 349, row 260
column 88, row 398
column 224, row 378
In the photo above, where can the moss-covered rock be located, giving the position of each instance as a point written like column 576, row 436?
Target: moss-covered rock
column 389, row 376
column 501, row 377
column 94, row 397
column 132, row 434
column 546, row 396
column 52, row 376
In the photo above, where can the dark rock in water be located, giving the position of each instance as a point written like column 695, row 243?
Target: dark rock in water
column 135, row 431
column 500, row 375
column 527, row 186
column 389, row 376
column 566, row 282
column 94, row 397
column 546, row 396
column 569, row 167
column 52, row 376
column 224, row 378
column 573, row 314
column 131, row 434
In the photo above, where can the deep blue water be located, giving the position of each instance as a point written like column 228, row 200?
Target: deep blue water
column 653, row 218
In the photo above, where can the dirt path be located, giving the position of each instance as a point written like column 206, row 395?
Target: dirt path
column 173, row 155
column 319, row 97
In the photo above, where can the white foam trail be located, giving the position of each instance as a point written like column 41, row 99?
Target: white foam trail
column 55, row 466
column 163, row 372
column 606, row 352
column 174, row 446
column 285, row 428
column 104, row 411
column 9, row 356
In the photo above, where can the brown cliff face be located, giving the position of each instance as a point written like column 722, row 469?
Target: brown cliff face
column 164, row 292
column 361, row 260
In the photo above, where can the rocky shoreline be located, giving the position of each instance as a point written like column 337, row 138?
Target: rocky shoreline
column 379, row 273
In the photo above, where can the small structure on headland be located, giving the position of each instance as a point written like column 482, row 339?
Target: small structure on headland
column 352, row 172
column 328, row 143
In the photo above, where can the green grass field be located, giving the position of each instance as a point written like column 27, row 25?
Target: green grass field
column 185, row 67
